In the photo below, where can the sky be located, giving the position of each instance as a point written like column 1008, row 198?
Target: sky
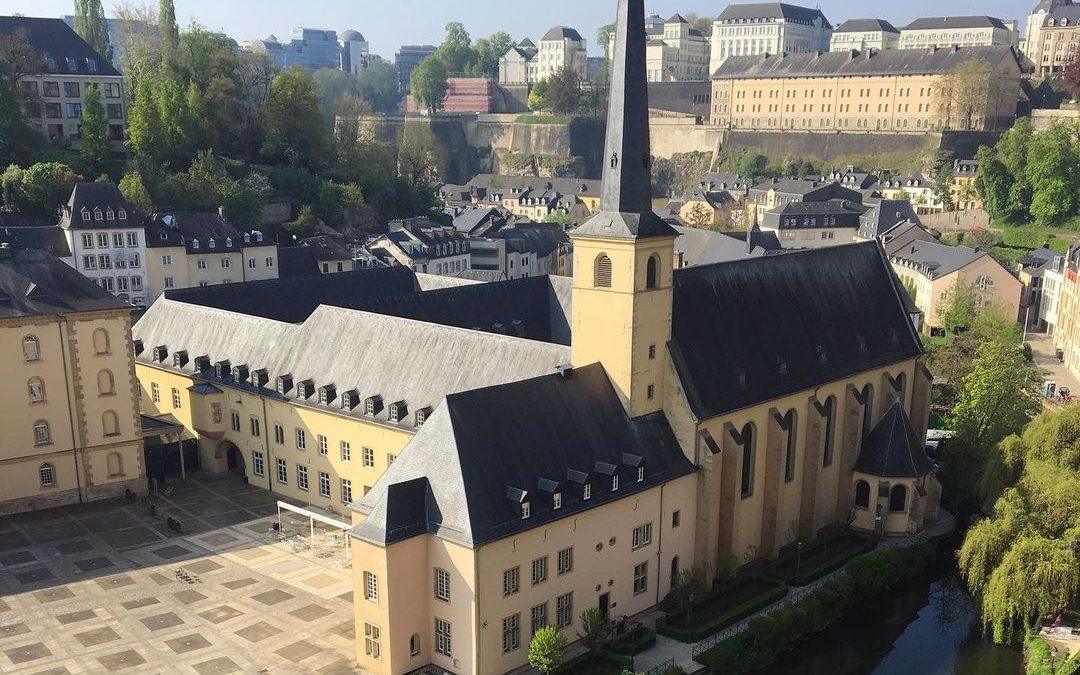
column 389, row 24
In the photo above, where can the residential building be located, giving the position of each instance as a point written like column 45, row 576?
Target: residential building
column 186, row 249
column 897, row 90
column 884, row 215
column 560, row 48
column 814, row 224
column 69, row 427
column 59, row 91
column 1052, row 35
column 1041, row 292
column 477, row 221
column 864, row 34
column 917, row 189
column 107, row 241
column 932, row 270
column 1053, row 290
column 776, row 194
column 505, row 191
column 674, row 50
column 522, row 250
column 555, row 461
column 308, row 48
column 957, row 31
column 962, row 191
column 423, row 245
column 407, row 58
column 761, row 28
column 331, row 256
column 704, row 208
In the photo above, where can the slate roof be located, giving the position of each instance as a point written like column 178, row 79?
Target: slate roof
column 98, row 195
column 892, row 450
column 853, row 63
column 184, row 228
column 477, row 221
column 903, row 235
column 1070, row 12
column 297, row 261
column 48, row 238
column 507, row 185
column 35, row 283
column 884, row 216
column 54, row 38
column 395, row 358
column 750, row 331
column 955, row 22
column 561, row 33
column 465, row 474
column 866, row 25
column 935, row 259
column 772, row 10
column 326, row 248
column 705, row 247
column 542, row 239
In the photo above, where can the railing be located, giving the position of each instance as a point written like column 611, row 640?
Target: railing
column 791, row 598
column 661, row 668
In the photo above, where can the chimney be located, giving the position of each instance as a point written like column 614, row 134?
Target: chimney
column 567, row 372
column 221, row 212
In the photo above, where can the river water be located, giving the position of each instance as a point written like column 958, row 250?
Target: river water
column 930, row 626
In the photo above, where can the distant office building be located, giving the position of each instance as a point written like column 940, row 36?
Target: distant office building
column 355, row 51
column 863, row 34
column 768, row 28
column 313, row 49
column 70, row 65
column 408, row 58
column 957, row 31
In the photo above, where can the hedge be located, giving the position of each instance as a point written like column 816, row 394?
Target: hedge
column 619, row 663
column 722, row 621
column 813, row 568
column 770, row 636
column 633, row 642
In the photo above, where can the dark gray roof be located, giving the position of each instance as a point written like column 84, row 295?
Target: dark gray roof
column 951, row 22
column 326, row 248
column 491, row 183
column 477, row 221
column 1069, row 12
column 884, row 216
column 98, row 195
column 892, row 450
column 541, row 239
column 866, row 25
column 853, row 63
column 772, row 10
column 55, row 39
column 677, row 18
column 705, row 247
column 902, row 235
column 184, row 228
column 297, row 261
column 561, row 33
column 934, row 258
column 469, row 468
column 754, row 330
column 48, row 238
column 626, row 198
column 34, row 283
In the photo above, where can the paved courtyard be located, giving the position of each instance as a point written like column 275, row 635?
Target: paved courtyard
column 104, row 588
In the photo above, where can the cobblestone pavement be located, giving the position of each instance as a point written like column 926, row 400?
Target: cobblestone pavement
column 107, row 587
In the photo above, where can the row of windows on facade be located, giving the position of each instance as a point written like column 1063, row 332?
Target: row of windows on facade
column 114, row 465
column 105, row 261
column 71, row 89
column 896, row 494
column 525, row 500
column 807, row 235
column 226, row 263
column 106, row 384
column 54, row 111
column 56, row 131
column 258, row 468
column 108, row 214
column 110, row 426
column 100, row 341
column 212, row 243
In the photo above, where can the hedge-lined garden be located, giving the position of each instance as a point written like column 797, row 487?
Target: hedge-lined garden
column 720, row 609
column 768, row 637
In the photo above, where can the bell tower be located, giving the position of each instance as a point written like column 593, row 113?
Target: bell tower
column 623, row 255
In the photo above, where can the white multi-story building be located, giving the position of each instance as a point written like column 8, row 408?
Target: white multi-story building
column 560, row 48
column 957, row 31
column 1052, row 35
column 674, row 50
column 768, row 28
column 863, row 34
column 107, row 241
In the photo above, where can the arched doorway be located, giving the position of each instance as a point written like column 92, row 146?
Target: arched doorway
column 235, row 459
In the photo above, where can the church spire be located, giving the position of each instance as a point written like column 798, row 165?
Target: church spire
column 626, row 197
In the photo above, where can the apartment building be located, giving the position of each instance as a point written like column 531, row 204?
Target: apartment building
column 863, row 34
column 423, row 245
column 674, row 50
column 505, row 191
column 107, row 241
column 897, row 90
column 1052, row 35
column 933, row 270
column 69, row 427
column 814, row 224
column 958, row 31
column 57, row 93
column 522, row 250
column 560, row 48
column 186, row 249
column 962, row 191
column 767, row 28
column 916, row 189
column 776, row 194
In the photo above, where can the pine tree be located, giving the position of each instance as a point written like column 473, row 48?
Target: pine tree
column 91, row 26
column 94, row 137
column 170, row 34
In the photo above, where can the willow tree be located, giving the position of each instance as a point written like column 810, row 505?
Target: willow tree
column 1037, row 576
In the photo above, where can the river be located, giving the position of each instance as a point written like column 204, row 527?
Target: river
column 930, row 626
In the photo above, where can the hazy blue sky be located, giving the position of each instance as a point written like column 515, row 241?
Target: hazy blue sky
column 388, row 24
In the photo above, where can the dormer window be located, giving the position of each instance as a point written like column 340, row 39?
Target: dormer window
column 305, row 389
column 247, row 238
column 213, row 244
column 72, row 64
column 641, row 474
column 556, row 501
column 240, row 373
column 91, row 65
column 223, row 370
column 373, row 406
column 327, row 394
column 202, row 364
column 138, row 346
column 85, row 214
column 615, row 483
column 586, row 492
column 123, row 214
column 164, row 236
column 398, row 411
column 180, row 359
column 195, row 244
column 350, row 399
column 260, row 377
column 161, row 353
column 284, row 384
column 526, row 510
column 258, row 237
column 98, row 216
column 110, row 215
column 228, row 242
column 421, row 416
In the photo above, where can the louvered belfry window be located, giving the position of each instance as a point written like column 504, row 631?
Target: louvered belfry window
column 603, row 271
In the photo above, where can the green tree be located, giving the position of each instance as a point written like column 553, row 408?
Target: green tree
column 429, row 83
column 421, row 156
column 175, row 123
column 751, row 165
column 592, row 633
column 331, row 84
column 1053, row 172
column 90, row 25
column 304, row 225
column 538, row 97
column 18, row 59
column 546, row 649
column 943, row 185
column 133, row 189
column 46, row 186
column 170, row 34
column 964, row 93
column 94, row 141
column 294, row 126
column 564, row 91
column 379, row 86
column 957, row 311
column 992, row 182
column 688, row 588
column 456, row 51
column 489, row 52
column 603, row 40
column 145, row 137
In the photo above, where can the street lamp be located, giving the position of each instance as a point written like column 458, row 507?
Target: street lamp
column 798, row 561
